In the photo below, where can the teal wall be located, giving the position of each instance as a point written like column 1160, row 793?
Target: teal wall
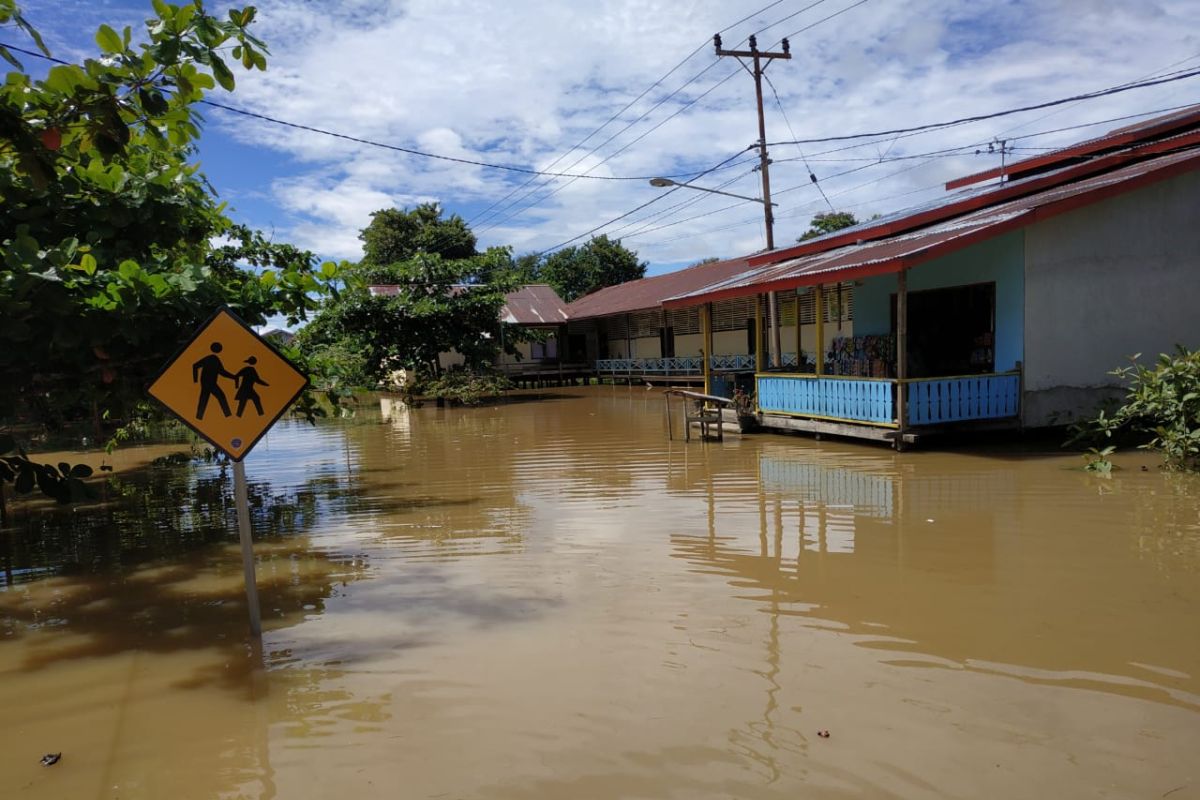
column 1001, row 260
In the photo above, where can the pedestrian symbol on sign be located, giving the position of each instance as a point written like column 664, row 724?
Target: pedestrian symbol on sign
column 206, row 371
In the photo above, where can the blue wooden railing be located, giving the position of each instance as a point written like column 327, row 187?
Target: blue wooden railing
column 935, row 400
column 928, row 401
column 850, row 399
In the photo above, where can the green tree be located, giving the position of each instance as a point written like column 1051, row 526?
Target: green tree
column 576, row 271
column 429, row 307
column 441, row 295
column 828, row 223
column 396, row 235
column 106, row 225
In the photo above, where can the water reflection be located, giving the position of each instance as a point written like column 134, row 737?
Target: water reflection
column 961, row 569
column 550, row 599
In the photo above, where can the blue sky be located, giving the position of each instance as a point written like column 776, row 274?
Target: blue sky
column 520, row 82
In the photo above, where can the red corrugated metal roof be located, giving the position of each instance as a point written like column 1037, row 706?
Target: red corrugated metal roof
column 1157, row 127
column 533, row 305
column 650, row 292
column 903, row 251
column 974, row 199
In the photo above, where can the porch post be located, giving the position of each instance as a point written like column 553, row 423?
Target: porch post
column 901, row 355
column 819, row 297
column 799, row 338
column 776, row 347
column 560, row 345
column 662, row 341
column 758, row 334
column 629, row 337
column 706, row 336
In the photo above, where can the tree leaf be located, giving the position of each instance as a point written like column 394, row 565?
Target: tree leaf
column 109, row 40
column 222, row 74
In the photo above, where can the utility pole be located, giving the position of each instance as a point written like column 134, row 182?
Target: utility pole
column 758, row 57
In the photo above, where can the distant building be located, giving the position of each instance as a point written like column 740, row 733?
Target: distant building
column 278, row 335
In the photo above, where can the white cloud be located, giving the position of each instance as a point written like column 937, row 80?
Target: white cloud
column 518, row 83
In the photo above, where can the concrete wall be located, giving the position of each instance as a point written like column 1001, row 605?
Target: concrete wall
column 1104, row 282
column 998, row 260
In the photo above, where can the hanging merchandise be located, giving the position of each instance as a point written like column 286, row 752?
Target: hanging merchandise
column 872, row 356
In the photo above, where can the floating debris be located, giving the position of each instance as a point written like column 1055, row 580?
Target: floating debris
column 823, row 734
column 50, row 759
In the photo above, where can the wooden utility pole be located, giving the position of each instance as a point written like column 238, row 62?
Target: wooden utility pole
column 759, row 57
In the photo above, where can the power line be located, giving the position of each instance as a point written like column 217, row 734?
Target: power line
column 393, row 147
column 489, row 210
column 1007, row 112
column 634, row 210
column 824, row 19
column 789, row 16
column 799, row 149
column 688, row 82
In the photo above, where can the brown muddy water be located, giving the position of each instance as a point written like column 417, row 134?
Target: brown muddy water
column 550, row 600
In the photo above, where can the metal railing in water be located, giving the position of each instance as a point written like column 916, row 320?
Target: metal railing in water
column 683, row 365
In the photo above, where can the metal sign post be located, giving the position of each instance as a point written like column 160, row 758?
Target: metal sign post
column 243, row 516
column 197, row 385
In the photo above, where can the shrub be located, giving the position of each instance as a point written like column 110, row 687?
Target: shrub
column 458, row 385
column 1161, row 410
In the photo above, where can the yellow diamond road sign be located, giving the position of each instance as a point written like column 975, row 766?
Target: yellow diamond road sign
column 228, row 384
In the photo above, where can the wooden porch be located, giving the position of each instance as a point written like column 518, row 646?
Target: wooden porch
column 887, row 409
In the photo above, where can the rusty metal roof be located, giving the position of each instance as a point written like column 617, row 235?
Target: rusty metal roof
column 1145, row 130
column 918, row 246
column 532, row 305
column 649, row 293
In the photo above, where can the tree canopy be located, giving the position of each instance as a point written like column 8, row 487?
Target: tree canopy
column 580, row 270
column 107, row 228
column 829, row 222
column 396, row 235
column 441, row 295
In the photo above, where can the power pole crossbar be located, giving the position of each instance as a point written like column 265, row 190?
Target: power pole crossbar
column 759, row 57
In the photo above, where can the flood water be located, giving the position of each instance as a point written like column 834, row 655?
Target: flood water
column 550, row 600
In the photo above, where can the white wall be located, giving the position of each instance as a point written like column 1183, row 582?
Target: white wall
column 1102, row 283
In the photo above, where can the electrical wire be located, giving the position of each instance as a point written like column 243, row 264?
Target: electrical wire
column 482, row 216
column 620, row 217
column 644, row 134
column 1182, row 75
column 811, row 175
column 397, row 148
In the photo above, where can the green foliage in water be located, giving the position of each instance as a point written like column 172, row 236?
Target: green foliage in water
column 459, row 386
column 1160, row 412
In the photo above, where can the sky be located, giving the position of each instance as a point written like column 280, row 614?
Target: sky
column 523, row 82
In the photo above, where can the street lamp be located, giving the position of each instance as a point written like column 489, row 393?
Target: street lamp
column 664, row 182
column 776, row 347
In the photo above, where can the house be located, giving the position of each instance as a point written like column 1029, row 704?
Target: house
column 1006, row 304
column 629, row 334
